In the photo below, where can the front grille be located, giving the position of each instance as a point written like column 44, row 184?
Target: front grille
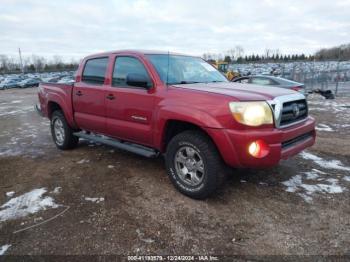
column 296, row 140
column 293, row 111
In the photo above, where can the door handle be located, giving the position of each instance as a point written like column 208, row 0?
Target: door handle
column 110, row 97
column 79, row 93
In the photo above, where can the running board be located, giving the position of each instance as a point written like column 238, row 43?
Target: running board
column 134, row 148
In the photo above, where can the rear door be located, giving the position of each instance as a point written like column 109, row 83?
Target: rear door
column 89, row 96
column 129, row 108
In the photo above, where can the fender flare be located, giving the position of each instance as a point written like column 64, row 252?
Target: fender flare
column 66, row 108
column 187, row 114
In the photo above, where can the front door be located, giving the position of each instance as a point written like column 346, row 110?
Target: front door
column 129, row 109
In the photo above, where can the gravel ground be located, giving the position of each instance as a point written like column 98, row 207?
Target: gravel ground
column 99, row 200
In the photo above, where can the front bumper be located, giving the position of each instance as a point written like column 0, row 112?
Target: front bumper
column 282, row 143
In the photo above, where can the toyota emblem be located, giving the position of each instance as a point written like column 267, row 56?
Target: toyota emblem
column 296, row 110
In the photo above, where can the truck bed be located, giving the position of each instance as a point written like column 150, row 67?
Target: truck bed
column 58, row 93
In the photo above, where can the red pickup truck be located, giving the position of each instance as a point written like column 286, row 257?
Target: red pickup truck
column 153, row 103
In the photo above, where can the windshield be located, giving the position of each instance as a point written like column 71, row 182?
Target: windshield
column 177, row 69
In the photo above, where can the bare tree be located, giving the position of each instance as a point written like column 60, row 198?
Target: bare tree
column 4, row 62
column 239, row 51
column 268, row 53
column 232, row 53
column 38, row 62
column 341, row 52
column 220, row 57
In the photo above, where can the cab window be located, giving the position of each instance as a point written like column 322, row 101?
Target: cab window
column 95, row 70
column 125, row 65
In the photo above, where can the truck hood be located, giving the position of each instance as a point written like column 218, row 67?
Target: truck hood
column 242, row 92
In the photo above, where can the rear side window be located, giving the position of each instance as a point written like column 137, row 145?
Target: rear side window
column 95, row 70
column 125, row 65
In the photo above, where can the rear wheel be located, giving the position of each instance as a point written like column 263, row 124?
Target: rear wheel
column 61, row 132
column 194, row 164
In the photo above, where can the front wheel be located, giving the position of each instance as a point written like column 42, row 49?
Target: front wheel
column 61, row 132
column 194, row 164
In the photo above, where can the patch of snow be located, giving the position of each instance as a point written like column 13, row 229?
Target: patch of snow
column 293, row 183
column 28, row 203
column 307, row 198
column 83, row 161
column 311, row 175
column 3, row 249
column 319, row 171
column 332, row 188
column 141, row 237
column 314, row 174
column 110, row 166
column 12, row 102
column 324, row 127
column 296, row 184
column 95, row 199
column 11, row 152
column 17, row 111
column 57, row 190
column 329, row 164
column 346, row 178
column 10, row 194
column 342, row 125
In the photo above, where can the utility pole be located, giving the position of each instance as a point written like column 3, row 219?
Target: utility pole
column 338, row 75
column 20, row 59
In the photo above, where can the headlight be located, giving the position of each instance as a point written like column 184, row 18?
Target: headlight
column 252, row 113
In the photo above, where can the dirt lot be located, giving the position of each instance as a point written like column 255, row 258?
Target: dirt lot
column 98, row 200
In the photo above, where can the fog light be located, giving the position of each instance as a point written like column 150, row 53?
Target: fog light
column 253, row 149
column 258, row 149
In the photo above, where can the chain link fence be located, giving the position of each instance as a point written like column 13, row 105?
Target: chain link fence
column 320, row 75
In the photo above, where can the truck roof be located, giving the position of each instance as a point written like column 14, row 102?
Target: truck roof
column 136, row 52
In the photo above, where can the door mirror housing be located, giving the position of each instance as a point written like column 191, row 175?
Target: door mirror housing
column 138, row 80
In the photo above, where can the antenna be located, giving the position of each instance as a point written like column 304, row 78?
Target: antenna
column 20, row 59
column 167, row 72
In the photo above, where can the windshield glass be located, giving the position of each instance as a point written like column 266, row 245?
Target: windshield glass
column 185, row 69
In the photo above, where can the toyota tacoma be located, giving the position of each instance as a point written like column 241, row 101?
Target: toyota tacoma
column 151, row 103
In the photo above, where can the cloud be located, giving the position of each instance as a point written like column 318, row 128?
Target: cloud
column 78, row 28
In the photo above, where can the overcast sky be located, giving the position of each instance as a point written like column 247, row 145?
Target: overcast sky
column 78, row 28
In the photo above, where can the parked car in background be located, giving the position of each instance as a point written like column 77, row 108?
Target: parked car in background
column 66, row 80
column 272, row 81
column 24, row 80
column 30, row 82
column 8, row 84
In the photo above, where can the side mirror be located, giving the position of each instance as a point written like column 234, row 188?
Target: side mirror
column 138, row 80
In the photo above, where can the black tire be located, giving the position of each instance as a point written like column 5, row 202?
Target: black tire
column 68, row 140
column 205, row 150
